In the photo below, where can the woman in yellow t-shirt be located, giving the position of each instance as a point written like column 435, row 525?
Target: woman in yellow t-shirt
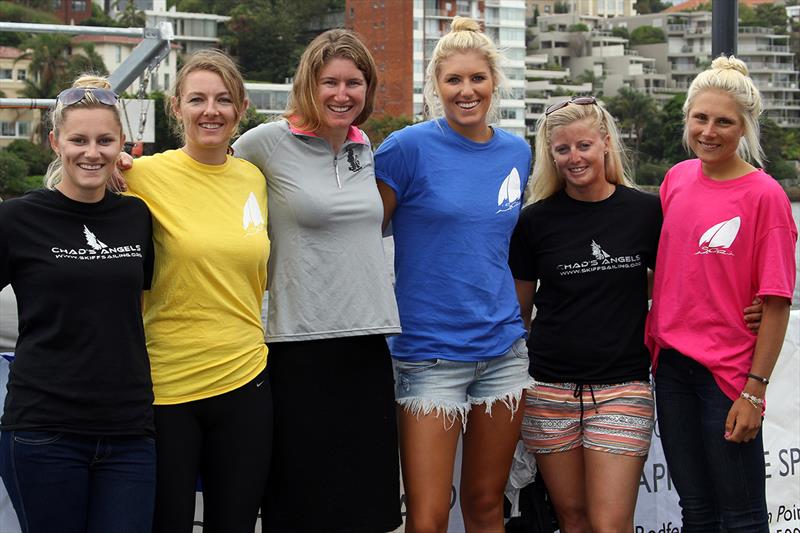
column 213, row 405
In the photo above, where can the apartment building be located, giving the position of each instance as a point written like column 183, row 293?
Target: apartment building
column 15, row 123
column 582, row 44
column 115, row 49
column 402, row 36
column 193, row 31
column 268, row 98
column 687, row 51
column 546, row 84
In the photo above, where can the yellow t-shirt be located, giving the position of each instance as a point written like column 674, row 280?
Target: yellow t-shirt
column 202, row 316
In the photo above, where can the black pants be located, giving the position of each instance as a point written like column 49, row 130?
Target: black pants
column 335, row 460
column 227, row 439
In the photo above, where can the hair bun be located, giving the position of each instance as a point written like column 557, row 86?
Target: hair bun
column 729, row 63
column 464, row 24
column 92, row 81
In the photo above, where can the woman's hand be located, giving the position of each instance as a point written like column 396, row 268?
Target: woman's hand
column 752, row 314
column 743, row 422
column 117, row 181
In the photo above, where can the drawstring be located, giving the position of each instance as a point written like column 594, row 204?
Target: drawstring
column 578, row 393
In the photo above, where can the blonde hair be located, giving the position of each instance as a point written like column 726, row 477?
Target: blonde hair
column 730, row 75
column 465, row 35
column 303, row 107
column 210, row 60
column 546, row 180
column 54, row 172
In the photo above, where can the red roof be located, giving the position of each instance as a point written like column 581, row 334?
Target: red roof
column 9, row 52
column 694, row 4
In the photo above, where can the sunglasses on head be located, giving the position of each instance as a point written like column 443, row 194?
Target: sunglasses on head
column 578, row 100
column 77, row 94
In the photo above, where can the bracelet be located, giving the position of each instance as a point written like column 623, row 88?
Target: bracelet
column 762, row 379
column 755, row 401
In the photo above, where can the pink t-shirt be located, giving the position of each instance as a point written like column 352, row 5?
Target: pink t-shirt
column 722, row 243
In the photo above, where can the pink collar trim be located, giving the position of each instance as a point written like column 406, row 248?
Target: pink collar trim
column 353, row 133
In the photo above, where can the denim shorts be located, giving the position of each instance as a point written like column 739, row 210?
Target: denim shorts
column 450, row 388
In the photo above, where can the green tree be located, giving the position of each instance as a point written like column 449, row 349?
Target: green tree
column 88, row 61
column 644, row 7
column 129, row 16
column 11, row 12
column 13, row 175
column 647, row 35
column 764, row 15
column 251, row 119
column 773, row 141
column 620, row 32
column 166, row 139
column 37, row 157
column 561, row 6
column 379, row 127
column 578, row 27
column 633, row 110
column 663, row 133
column 99, row 18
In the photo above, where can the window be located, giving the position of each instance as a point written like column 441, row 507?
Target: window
column 8, row 129
column 78, row 5
column 23, row 129
column 22, row 74
column 6, row 74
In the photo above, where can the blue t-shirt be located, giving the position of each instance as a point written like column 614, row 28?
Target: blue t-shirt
column 457, row 204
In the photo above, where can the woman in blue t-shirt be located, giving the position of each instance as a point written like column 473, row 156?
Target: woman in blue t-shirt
column 452, row 189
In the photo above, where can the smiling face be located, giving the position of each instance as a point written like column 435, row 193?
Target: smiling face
column 465, row 85
column 209, row 116
column 714, row 128
column 578, row 150
column 88, row 143
column 341, row 94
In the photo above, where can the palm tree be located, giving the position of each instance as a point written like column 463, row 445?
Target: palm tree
column 633, row 110
column 48, row 66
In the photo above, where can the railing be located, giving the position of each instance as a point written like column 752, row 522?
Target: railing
column 677, row 27
column 770, row 66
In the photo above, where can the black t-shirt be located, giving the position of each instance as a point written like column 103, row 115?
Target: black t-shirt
column 591, row 261
column 78, row 271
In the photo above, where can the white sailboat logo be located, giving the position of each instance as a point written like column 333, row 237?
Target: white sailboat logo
column 510, row 192
column 719, row 237
column 252, row 215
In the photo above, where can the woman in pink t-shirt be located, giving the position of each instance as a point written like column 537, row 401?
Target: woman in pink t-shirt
column 727, row 236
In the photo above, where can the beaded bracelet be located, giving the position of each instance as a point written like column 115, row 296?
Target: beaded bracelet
column 755, row 401
column 762, row 379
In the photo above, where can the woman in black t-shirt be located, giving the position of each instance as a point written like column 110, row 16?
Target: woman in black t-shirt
column 588, row 241
column 77, row 452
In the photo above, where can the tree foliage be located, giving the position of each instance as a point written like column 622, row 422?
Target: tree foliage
column 36, row 157
column 379, row 127
column 647, row 35
column 644, row 7
column 12, row 12
column 764, row 15
column 633, row 110
column 620, row 31
column 14, row 179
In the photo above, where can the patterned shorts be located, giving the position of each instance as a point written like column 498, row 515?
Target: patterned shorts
column 609, row 418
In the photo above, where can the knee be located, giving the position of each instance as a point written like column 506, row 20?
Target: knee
column 572, row 518
column 426, row 524
column 482, row 508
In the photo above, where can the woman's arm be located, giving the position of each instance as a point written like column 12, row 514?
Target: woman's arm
column 744, row 420
column 525, row 293
column 389, row 199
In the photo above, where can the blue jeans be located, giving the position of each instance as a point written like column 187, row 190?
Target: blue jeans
column 74, row 483
column 721, row 484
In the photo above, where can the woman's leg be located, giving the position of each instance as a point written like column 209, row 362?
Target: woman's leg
column 489, row 444
column 47, row 478
column 427, row 450
column 335, row 465
column 179, row 442
column 123, row 485
column 618, row 428
column 492, row 433
column 612, row 486
column 563, row 475
column 237, row 447
column 683, row 437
